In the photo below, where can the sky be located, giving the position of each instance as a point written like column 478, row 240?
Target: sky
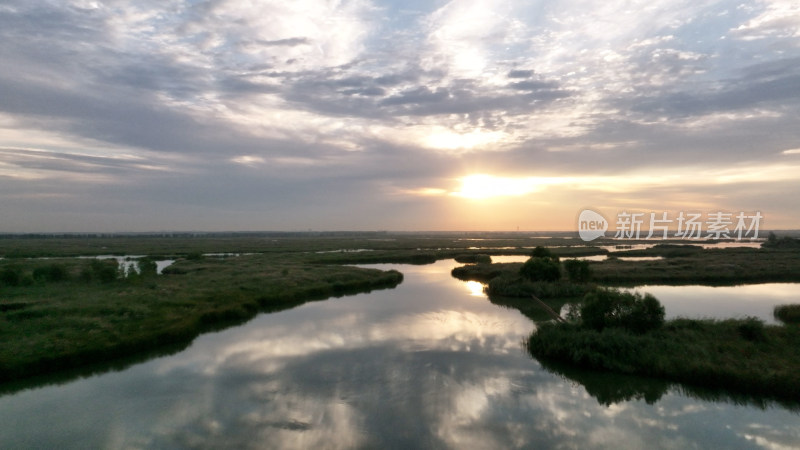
column 233, row 115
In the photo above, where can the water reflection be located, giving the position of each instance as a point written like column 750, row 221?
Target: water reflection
column 724, row 302
column 129, row 263
column 611, row 388
column 522, row 258
column 423, row 365
column 475, row 288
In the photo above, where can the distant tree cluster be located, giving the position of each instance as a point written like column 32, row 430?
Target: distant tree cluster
column 15, row 275
column 102, row 270
column 610, row 308
column 774, row 241
column 543, row 265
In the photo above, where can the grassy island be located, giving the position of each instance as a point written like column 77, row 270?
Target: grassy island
column 58, row 314
column 620, row 332
column 742, row 355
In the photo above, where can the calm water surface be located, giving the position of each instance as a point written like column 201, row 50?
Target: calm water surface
column 430, row 364
column 722, row 302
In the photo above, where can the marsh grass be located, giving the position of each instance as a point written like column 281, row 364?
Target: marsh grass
column 788, row 314
column 709, row 267
column 50, row 326
column 742, row 356
column 711, row 353
column 473, row 258
column 182, row 245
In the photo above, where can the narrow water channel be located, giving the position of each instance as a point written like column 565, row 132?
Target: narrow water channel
column 429, row 364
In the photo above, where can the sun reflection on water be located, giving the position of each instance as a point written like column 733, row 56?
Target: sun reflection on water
column 475, row 288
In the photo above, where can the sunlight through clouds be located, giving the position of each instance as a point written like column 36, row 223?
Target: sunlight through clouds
column 448, row 140
column 364, row 100
column 487, row 186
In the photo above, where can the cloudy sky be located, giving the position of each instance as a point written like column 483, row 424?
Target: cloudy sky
column 395, row 115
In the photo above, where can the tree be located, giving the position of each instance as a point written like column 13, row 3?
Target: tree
column 541, row 252
column 541, row 269
column 607, row 308
column 578, row 270
column 104, row 270
column 51, row 272
column 147, row 267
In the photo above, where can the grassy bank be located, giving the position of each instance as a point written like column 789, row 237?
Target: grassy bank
column 444, row 244
column 709, row 266
column 789, row 314
column 49, row 325
column 61, row 313
column 625, row 334
column 718, row 354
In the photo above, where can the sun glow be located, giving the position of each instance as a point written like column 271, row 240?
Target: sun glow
column 475, row 288
column 486, row 186
column 448, row 140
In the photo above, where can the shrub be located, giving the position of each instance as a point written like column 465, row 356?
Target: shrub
column 541, row 252
column 751, row 329
column 541, row 269
column 606, row 308
column 474, row 258
column 646, row 314
column 104, row 270
column 11, row 275
column 52, row 272
column 785, row 242
column 147, row 267
column 511, row 286
column 787, row 313
column 578, row 270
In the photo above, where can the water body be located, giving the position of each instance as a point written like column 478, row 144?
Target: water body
column 128, row 263
column 722, row 302
column 733, row 244
column 523, row 258
column 429, row 364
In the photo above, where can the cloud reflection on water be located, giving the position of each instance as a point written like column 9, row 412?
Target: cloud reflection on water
column 423, row 365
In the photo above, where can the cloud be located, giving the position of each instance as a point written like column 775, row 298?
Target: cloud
column 503, row 88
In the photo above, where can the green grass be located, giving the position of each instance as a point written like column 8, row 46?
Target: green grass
column 444, row 244
column 711, row 267
column 743, row 356
column 713, row 353
column 61, row 314
column 54, row 320
column 52, row 326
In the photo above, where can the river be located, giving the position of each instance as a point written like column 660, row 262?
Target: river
column 429, row 364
